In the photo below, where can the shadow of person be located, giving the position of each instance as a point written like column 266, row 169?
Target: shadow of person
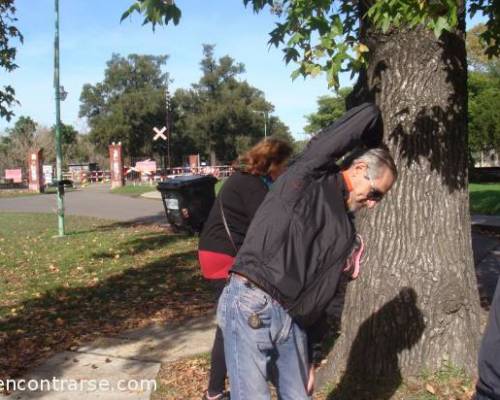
column 372, row 371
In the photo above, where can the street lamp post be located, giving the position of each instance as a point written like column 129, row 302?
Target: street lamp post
column 168, row 124
column 58, row 93
column 264, row 113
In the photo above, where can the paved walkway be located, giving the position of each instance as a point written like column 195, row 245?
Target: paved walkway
column 128, row 363
column 92, row 201
column 489, row 221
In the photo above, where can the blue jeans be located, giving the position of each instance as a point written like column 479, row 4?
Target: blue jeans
column 275, row 349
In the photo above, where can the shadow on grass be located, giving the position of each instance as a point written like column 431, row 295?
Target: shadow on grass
column 159, row 220
column 170, row 289
column 370, row 360
column 151, row 241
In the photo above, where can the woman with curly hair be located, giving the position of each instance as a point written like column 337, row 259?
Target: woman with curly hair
column 227, row 225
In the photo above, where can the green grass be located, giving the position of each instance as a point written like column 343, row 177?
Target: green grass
column 8, row 193
column 98, row 280
column 134, row 191
column 485, row 198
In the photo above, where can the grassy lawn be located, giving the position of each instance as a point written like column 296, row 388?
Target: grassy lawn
column 134, row 191
column 485, row 198
column 6, row 193
column 100, row 279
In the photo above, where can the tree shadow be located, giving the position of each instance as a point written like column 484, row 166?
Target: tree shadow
column 373, row 371
column 170, row 289
column 148, row 242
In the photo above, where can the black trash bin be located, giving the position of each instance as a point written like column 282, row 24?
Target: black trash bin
column 188, row 200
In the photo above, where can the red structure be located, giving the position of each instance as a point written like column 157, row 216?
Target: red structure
column 35, row 175
column 116, row 160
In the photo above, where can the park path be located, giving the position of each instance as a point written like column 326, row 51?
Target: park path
column 92, row 201
column 126, row 364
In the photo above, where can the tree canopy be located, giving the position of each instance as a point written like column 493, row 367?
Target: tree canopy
column 127, row 104
column 21, row 138
column 330, row 108
column 221, row 115
column 484, row 94
column 484, row 112
column 8, row 32
column 323, row 35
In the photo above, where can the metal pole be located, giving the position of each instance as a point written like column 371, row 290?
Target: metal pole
column 60, row 187
column 168, row 124
column 265, row 124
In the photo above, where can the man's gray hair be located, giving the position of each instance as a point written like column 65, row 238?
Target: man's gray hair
column 376, row 159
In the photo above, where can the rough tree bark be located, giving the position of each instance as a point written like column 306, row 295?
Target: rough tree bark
column 416, row 304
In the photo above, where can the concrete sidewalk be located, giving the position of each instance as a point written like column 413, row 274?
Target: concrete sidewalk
column 128, row 363
column 487, row 221
column 92, row 201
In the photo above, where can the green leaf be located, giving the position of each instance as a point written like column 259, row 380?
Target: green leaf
column 295, row 74
column 295, row 39
column 337, row 26
column 441, row 25
column 132, row 8
column 291, row 54
column 386, row 23
column 175, row 14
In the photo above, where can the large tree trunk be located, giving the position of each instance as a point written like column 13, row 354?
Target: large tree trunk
column 416, row 304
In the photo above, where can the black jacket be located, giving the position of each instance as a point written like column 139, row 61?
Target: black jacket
column 489, row 355
column 301, row 235
column 241, row 196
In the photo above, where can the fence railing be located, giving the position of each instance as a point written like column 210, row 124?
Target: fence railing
column 84, row 177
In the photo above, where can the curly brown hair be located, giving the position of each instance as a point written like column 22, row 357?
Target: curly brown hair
column 265, row 157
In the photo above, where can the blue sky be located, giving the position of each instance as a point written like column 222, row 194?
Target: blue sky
column 90, row 31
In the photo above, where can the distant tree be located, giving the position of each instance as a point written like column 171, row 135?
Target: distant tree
column 127, row 104
column 279, row 129
column 484, row 112
column 484, row 94
column 22, row 138
column 8, row 32
column 24, row 130
column 68, row 134
column 477, row 56
column 4, row 154
column 330, row 108
column 221, row 116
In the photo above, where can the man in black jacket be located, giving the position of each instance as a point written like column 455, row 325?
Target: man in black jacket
column 286, row 273
column 488, row 385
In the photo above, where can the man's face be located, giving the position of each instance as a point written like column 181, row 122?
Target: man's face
column 367, row 192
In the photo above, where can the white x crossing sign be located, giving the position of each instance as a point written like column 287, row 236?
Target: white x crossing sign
column 159, row 133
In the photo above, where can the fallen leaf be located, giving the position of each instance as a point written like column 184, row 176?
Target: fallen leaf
column 430, row 389
column 53, row 268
